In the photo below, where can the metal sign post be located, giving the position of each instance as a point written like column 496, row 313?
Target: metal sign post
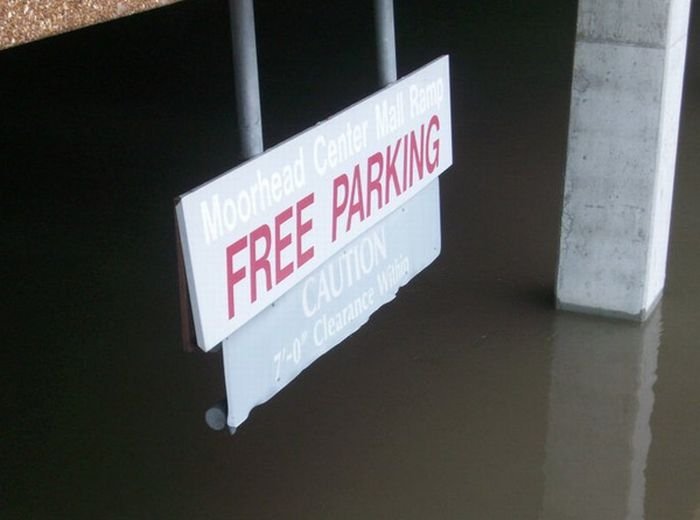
column 245, row 68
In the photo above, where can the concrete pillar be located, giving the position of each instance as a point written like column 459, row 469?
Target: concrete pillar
column 623, row 130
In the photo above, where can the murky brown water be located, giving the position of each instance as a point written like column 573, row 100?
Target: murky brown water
column 468, row 397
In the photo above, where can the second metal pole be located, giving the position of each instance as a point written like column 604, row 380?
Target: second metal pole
column 245, row 70
column 386, row 41
column 245, row 64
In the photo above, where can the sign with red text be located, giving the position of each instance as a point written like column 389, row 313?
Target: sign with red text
column 253, row 233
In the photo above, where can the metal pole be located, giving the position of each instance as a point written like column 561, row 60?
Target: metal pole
column 245, row 64
column 245, row 70
column 386, row 41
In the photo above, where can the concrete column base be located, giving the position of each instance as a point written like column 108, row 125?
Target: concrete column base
column 623, row 132
column 608, row 313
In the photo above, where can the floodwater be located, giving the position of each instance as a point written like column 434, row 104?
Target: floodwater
column 469, row 396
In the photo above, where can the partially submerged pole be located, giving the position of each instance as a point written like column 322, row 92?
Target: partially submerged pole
column 248, row 102
column 245, row 69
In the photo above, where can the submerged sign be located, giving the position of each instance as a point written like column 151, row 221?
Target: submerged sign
column 254, row 233
column 264, row 355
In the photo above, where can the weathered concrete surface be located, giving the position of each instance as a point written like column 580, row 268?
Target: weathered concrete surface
column 623, row 131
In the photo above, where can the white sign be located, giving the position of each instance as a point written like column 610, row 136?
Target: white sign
column 329, row 305
column 253, row 233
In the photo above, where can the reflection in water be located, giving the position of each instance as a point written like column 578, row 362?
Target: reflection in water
column 600, row 405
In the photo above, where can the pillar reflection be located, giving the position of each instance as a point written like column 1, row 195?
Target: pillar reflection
column 600, row 404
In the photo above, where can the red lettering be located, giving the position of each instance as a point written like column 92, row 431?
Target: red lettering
column 339, row 205
column 261, row 262
column 260, row 258
column 281, row 243
column 356, row 201
column 432, row 164
column 391, row 173
column 303, row 227
column 416, row 152
column 374, row 184
column 388, row 175
column 233, row 277
column 407, row 177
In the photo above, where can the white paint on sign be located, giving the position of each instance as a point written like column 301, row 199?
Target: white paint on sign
column 254, row 233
